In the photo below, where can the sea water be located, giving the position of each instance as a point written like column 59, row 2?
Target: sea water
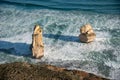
column 61, row 21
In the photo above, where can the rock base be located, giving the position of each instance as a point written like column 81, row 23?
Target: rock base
column 86, row 38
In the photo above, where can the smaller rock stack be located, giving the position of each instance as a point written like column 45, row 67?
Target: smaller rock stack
column 87, row 34
column 37, row 43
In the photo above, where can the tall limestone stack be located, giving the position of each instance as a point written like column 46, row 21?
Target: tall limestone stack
column 37, row 43
column 87, row 34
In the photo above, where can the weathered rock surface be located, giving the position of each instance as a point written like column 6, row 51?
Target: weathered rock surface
column 87, row 34
column 26, row 71
column 37, row 43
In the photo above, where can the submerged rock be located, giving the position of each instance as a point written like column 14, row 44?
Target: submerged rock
column 87, row 34
column 26, row 71
column 37, row 43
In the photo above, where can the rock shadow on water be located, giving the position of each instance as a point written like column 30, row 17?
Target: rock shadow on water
column 63, row 37
column 17, row 49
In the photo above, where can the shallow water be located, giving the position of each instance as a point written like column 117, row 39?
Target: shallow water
column 61, row 30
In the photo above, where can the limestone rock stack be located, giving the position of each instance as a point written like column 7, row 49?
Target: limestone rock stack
column 37, row 43
column 87, row 34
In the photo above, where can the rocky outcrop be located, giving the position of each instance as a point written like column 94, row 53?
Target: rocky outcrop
column 37, row 43
column 26, row 71
column 87, row 34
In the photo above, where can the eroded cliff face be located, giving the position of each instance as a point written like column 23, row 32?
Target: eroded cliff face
column 26, row 71
column 87, row 34
column 37, row 42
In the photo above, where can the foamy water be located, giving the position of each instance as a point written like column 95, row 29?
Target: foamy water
column 60, row 36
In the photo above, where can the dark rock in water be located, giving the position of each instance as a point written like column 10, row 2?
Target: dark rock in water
column 87, row 34
column 37, row 43
column 26, row 71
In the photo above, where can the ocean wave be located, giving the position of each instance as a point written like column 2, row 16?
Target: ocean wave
column 103, row 6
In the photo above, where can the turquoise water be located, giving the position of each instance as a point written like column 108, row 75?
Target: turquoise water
column 61, row 21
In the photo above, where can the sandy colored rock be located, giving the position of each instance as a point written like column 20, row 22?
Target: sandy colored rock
column 87, row 34
column 37, row 43
column 86, row 29
column 26, row 71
